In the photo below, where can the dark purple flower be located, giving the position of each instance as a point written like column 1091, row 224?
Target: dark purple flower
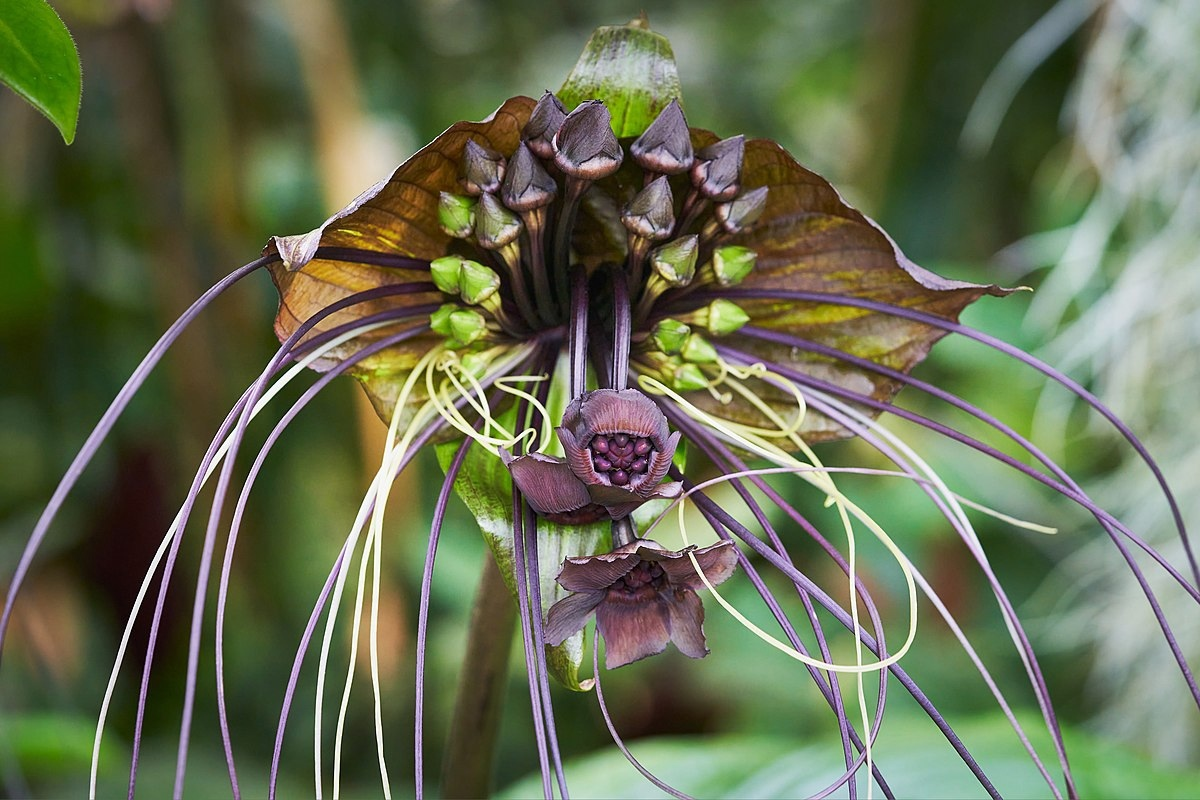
column 618, row 449
column 643, row 596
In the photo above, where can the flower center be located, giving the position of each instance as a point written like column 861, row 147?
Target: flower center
column 644, row 580
column 620, row 456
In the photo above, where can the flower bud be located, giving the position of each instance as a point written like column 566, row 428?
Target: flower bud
column 585, row 145
column 483, row 169
column 675, row 262
column 723, row 317
column 467, row 326
column 698, row 350
column 651, row 213
column 717, row 173
column 666, row 146
column 460, row 326
column 670, row 335
column 495, row 225
column 477, row 282
column 527, row 185
column 688, row 378
column 456, row 214
column 744, row 211
column 545, row 120
column 447, row 273
column 732, row 264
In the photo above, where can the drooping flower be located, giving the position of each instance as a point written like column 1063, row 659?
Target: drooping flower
column 590, row 258
column 642, row 595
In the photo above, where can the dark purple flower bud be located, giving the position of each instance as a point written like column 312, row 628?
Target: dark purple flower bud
column 717, row 173
column 495, row 225
column 666, row 146
column 643, row 596
column 544, row 121
column 527, row 185
column 483, row 169
column 585, row 145
column 651, row 213
column 743, row 211
column 618, row 443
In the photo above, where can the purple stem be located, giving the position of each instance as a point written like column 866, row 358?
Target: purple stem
column 577, row 331
column 290, row 349
column 1032, row 668
column 827, row 685
column 357, row 256
column 366, row 509
column 1110, row 524
column 435, row 531
column 520, row 508
column 235, row 439
column 1012, row 352
column 622, row 329
column 616, row 737
column 101, row 431
column 706, row 505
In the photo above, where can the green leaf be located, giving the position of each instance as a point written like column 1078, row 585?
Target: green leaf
column 629, row 67
column 38, row 60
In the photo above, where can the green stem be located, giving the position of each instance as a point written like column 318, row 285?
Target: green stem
column 474, row 728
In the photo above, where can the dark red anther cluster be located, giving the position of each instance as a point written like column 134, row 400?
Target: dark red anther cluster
column 619, row 454
column 646, row 579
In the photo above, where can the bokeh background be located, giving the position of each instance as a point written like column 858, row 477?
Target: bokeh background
column 1019, row 142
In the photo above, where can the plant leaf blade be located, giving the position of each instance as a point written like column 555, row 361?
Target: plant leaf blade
column 39, row 62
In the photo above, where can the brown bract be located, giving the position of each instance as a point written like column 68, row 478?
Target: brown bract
column 807, row 238
column 643, row 596
column 396, row 217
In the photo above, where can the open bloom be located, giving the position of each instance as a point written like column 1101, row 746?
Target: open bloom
column 642, row 595
column 545, row 295
column 618, row 448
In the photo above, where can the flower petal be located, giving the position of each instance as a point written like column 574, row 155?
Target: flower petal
column 632, row 629
column 569, row 615
column 687, row 623
column 595, row 572
column 547, row 483
column 718, row 562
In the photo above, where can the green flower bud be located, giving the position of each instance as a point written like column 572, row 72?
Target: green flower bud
column 669, row 336
column 478, row 283
column 439, row 320
column 724, row 317
column 467, row 326
column 456, row 214
column 688, row 378
column 732, row 264
column 675, row 262
column 447, row 273
column 698, row 350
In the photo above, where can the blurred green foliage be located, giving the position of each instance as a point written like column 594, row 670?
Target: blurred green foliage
column 209, row 125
